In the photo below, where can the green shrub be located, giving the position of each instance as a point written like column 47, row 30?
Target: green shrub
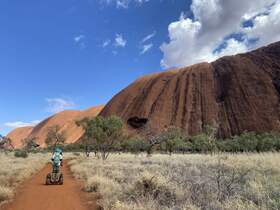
column 183, row 146
column 171, row 139
column 202, row 143
column 228, row 145
column 104, row 132
column 251, row 142
column 134, row 145
column 21, row 154
column 268, row 142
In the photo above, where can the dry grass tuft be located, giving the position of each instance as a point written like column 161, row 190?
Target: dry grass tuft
column 6, row 193
column 183, row 182
column 15, row 170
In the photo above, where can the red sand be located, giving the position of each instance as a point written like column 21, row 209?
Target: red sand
column 35, row 195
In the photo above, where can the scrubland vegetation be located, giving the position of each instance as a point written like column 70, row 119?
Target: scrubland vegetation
column 160, row 171
column 15, row 169
column 197, row 173
column 192, row 181
column 105, row 135
column 173, row 141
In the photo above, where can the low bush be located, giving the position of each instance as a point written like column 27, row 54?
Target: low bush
column 154, row 187
column 251, row 142
column 21, row 154
column 76, row 153
column 134, row 145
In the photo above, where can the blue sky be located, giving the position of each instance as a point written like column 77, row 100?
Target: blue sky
column 54, row 50
column 73, row 54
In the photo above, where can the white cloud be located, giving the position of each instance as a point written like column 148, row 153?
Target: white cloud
column 18, row 124
column 123, row 4
column 149, row 36
column 141, row 1
column 106, row 43
column 80, row 40
column 146, row 48
column 120, row 41
column 266, row 27
column 56, row 105
column 232, row 47
column 214, row 23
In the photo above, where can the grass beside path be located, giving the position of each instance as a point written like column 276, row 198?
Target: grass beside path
column 192, row 181
column 14, row 171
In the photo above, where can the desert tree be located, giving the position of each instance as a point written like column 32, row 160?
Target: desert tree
column 103, row 133
column 152, row 137
column 134, row 144
column 5, row 143
column 172, row 138
column 87, row 138
column 55, row 136
column 206, row 141
column 29, row 143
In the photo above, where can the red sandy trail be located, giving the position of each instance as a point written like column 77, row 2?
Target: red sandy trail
column 35, row 195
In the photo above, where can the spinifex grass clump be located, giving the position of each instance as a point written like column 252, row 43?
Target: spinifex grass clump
column 155, row 187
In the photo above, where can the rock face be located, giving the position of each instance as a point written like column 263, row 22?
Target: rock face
column 18, row 134
column 65, row 120
column 234, row 93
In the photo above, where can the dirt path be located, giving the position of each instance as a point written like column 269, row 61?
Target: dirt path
column 35, row 195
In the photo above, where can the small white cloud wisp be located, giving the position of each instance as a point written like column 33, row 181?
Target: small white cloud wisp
column 146, row 48
column 19, row 124
column 149, row 36
column 124, row 4
column 120, row 41
column 80, row 40
column 56, row 105
column 106, row 43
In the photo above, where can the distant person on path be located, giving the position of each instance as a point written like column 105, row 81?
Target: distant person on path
column 58, row 156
